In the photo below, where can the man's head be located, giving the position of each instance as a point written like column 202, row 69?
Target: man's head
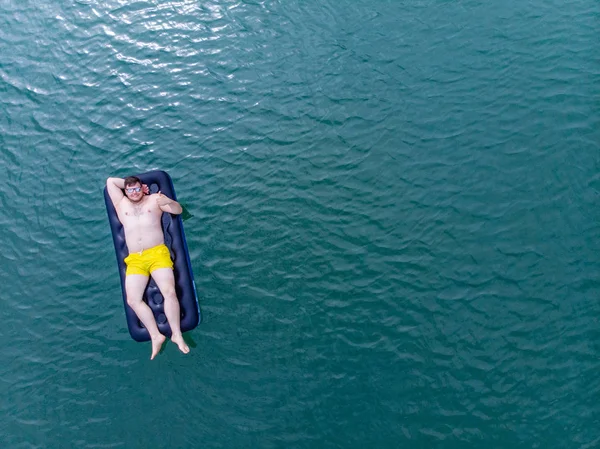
column 133, row 188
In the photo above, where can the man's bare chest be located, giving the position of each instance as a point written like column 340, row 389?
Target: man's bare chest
column 139, row 213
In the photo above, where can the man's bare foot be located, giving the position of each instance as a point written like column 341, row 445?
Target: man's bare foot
column 157, row 344
column 178, row 340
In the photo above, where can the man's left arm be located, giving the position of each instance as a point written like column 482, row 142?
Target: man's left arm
column 166, row 204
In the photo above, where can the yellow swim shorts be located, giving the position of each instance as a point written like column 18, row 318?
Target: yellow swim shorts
column 148, row 260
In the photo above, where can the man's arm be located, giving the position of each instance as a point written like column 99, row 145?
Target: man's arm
column 166, row 204
column 115, row 187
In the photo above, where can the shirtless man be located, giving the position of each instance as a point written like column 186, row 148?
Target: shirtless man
column 140, row 214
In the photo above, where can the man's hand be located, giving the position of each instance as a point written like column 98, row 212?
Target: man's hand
column 145, row 189
column 166, row 204
column 163, row 200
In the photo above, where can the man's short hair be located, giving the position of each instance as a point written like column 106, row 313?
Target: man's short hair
column 131, row 181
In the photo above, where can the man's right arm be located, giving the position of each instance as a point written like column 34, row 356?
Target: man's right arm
column 115, row 187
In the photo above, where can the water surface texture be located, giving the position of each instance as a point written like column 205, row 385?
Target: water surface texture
column 394, row 222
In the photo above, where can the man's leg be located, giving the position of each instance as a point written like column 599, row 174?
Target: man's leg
column 135, row 284
column 166, row 283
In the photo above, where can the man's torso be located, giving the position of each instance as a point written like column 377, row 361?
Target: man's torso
column 141, row 223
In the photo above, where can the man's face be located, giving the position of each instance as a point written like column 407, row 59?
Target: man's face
column 134, row 192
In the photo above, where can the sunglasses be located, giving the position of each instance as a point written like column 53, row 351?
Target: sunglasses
column 134, row 189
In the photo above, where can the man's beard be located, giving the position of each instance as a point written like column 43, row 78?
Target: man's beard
column 136, row 201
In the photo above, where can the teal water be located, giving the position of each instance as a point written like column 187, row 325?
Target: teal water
column 394, row 222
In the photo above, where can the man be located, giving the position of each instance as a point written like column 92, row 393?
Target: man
column 140, row 214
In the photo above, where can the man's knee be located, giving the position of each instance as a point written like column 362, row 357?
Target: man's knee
column 169, row 293
column 133, row 300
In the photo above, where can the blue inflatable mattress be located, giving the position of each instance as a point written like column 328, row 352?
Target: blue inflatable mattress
column 175, row 241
